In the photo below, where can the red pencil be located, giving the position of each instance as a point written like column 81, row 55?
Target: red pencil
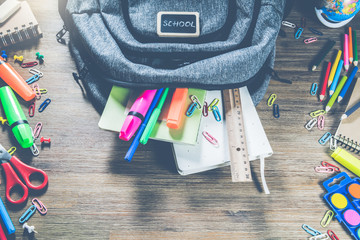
column 324, row 84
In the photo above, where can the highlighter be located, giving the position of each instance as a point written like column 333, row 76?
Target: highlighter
column 15, row 81
column 347, row 160
column 176, row 110
column 136, row 114
column 16, row 117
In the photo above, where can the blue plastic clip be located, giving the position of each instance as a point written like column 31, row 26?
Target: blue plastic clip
column 33, row 79
column 298, row 33
column 216, row 113
column 314, row 88
column 44, row 104
column 27, row 215
column 313, row 30
column 276, row 111
column 191, row 109
column 310, row 230
column 326, row 137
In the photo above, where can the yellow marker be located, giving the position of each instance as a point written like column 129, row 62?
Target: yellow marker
column 334, row 67
column 347, row 160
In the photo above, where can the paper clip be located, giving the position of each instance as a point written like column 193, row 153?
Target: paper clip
column 12, row 150
column 43, row 91
column 191, row 109
column 44, row 104
column 310, row 230
column 37, row 130
column 194, row 99
column 288, row 24
column 39, row 206
column 33, row 79
column 326, row 137
column 213, row 103
column 326, row 164
column 313, row 30
column 32, row 110
column 322, row 169
column 216, row 113
column 27, row 214
column 36, row 89
column 321, row 122
column 303, row 22
column 323, row 236
column 34, row 150
column 310, row 40
column 310, row 124
column 271, row 99
column 276, row 111
column 327, row 218
column 35, row 71
column 298, row 33
column 317, row 113
column 205, row 110
column 210, row 138
column 332, row 235
column 314, row 88
column 29, row 64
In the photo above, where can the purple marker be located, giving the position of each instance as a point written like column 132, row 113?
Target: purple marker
column 136, row 114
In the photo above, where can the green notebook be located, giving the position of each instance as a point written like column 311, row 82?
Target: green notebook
column 121, row 99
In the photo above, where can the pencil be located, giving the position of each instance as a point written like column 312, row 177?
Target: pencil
column 355, row 48
column 336, row 94
column 336, row 78
column 329, row 45
column 323, row 86
column 350, row 46
column 347, row 84
column 334, row 67
column 351, row 111
column 346, row 52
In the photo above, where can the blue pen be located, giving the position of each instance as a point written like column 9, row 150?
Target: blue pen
column 135, row 142
column 347, row 84
column 6, row 218
column 336, row 78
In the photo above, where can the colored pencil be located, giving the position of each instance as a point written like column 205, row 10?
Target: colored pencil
column 346, row 52
column 336, row 94
column 324, row 84
column 351, row 111
column 322, row 54
column 336, row 78
column 334, row 67
column 355, row 48
column 350, row 46
column 347, row 84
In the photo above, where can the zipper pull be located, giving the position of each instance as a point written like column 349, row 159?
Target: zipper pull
column 60, row 34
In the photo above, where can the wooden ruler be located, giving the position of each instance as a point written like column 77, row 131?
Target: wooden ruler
column 239, row 158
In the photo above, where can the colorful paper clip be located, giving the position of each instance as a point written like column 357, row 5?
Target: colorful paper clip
column 36, row 89
column 323, row 236
column 313, row 30
column 329, row 165
column 317, row 113
column 34, row 150
column 216, row 113
column 205, row 110
column 310, row 124
column 12, row 150
column 325, row 138
column 35, row 71
column 271, row 99
column 327, row 218
column 322, row 169
column 32, row 109
column 288, row 24
column 210, row 138
column 298, row 33
column 310, row 230
column 37, row 130
column 303, row 22
column 29, row 64
column 332, row 235
column 194, row 99
column 191, row 109
column 213, row 103
column 321, row 122
column 310, row 40
column 314, row 88
column 27, row 214
column 39, row 206
column 43, row 90
column 44, row 104
column 276, row 111
column 33, row 79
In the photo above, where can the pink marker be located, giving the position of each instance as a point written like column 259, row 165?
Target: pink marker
column 346, row 52
column 136, row 114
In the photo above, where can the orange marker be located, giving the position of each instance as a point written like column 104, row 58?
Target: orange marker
column 177, row 106
column 350, row 47
column 15, row 81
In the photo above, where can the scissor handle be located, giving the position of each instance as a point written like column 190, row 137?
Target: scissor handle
column 26, row 171
column 12, row 180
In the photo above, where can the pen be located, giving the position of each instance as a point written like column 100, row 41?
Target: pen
column 135, row 142
column 330, row 44
column 336, row 78
column 336, row 94
column 346, row 52
column 351, row 111
column 334, row 67
column 347, row 84
column 323, row 88
column 154, row 117
column 136, row 114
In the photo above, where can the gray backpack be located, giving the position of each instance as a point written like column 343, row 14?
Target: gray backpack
column 154, row 43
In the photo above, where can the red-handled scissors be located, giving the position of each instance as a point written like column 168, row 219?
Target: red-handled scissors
column 25, row 171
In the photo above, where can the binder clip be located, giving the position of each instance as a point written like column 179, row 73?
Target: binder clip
column 276, row 111
column 310, row 124
column 325, row 138
column 298, row 33
column 18, row 59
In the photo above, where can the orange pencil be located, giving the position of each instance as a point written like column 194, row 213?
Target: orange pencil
column 177, row 106
column 350, row 47
column 15, row 81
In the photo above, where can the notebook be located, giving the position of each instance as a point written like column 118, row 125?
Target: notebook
column 120, row 101
column 348, row 133
column 19, row 27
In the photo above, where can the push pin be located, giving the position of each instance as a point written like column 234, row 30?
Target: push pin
column 46, row 140
column 3, row 120
column 18, row 59
column 39, row 57
column 4, row 56
column 30, row 229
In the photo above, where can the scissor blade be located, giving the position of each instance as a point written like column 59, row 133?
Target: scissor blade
column 4, row 155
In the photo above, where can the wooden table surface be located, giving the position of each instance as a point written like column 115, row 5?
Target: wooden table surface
column 94, row 194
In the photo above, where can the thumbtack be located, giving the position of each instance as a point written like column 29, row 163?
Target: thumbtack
column 39, row 57
column 18, row 59
column 4, row 56
column 3, row 120
column 47, row 140
column 30, row 229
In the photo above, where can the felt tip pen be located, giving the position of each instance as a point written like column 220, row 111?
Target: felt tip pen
column 6, row 218
column 136, row 114
column 16, row 117
column 15, row 81
column 347, row 160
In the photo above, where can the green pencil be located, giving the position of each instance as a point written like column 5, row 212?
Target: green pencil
column 355, row 48
column 336, row 94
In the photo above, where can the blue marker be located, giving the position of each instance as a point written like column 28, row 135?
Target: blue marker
column 135, row 142
column 347, row 84
column 336, row 78
column 6, row 218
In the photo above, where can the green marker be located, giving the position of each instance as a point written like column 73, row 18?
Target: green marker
column 153, row 118
column 355, row 48
column 16, row 117
column 336, row 94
